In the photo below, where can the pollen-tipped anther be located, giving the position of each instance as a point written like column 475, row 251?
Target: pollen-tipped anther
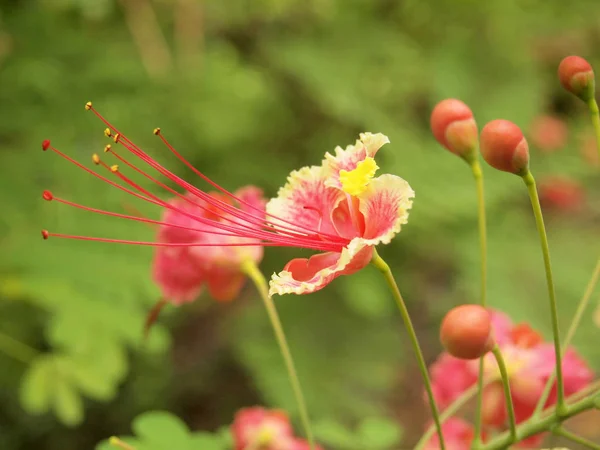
column 107, row 132
column 88, row 106
column 45, row 234
column 156, row 131
column 116, row 137
column 47, row 195
column 114, row 168
column 504, row 147
column 107, row 148
column 45, row 144
column 95, row 159
column 577, row 76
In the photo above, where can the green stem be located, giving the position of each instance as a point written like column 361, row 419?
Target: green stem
column 16, row 349
column 559, row 431
column 538, row 425
column 539, row 220
column 384, row 268
column 583, row 303
column 250, row 268
column 512, row 422
column 478, row 175
column 452, row 409
column 595, row 114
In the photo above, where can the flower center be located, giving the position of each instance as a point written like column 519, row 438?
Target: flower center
column 355, row 182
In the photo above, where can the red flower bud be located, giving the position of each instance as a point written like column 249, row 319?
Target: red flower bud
column 577, row 76
column 548, row 133
column 504, row 147
column 454, row 127
column 561, row 194
column 466, row 332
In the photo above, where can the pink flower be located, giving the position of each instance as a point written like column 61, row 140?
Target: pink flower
column 530, row 362
column 181, row 272
column 338, row 208
column 561, row 194
column 341, row 199
column 261, row 429
column 458, row 435
column 548, row 133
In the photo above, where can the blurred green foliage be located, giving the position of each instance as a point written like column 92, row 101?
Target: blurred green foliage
column 249, row 91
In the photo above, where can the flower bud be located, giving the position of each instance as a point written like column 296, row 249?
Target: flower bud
column 454, row 127
column 466, row 332
column 577, row 76
column 504, row 147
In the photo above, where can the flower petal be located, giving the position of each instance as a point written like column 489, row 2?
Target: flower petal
column 178, row 274
column 306, row 200
column 366, row 146
column 385, row 206
column 225, row 285
column 303, row 276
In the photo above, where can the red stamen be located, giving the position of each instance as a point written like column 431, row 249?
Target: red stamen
column 45, row 144
column 47, row 195
column 45, row 234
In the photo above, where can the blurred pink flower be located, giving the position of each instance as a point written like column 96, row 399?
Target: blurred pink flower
column 548, row 133
column 262, row 429
column 181, row 272
column 530, row 361
column 458, row 435
column 561, row 194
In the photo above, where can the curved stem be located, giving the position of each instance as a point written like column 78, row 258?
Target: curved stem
column 595, row 114
column 384, row 268
column 250, row 268
column 512, row 422
column 539, row 425
column 452, row 409
column 16, row 349
column 539, row 220
column 583, row 303
column 559, row 431
column 478, row 175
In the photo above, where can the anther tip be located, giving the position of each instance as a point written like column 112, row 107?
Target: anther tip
column 45, row 234
column 107, row 132
column 116, row 137
column 96, row 159
column 88, row 106
column 107, row 148
column 45, row 144
column 47, row 195
column 156, row 131
column 114, row 168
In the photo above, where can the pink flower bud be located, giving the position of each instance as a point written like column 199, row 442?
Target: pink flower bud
column 454, row 127
column 577, row 76
column 466, row 332
column 504, row 147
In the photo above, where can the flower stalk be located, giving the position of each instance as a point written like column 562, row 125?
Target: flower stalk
column 512, row 422
column 384, row 268
column 250, row 268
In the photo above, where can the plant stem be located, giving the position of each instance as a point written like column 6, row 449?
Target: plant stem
column 537, row 425
column 478, row 175
column 512, row 422
column 559, row 431
column 583, row 303
column 595, row 115
column 452, row 409
column 539, row 220
column 250, row 268
column 16, row 349
column 384, row 268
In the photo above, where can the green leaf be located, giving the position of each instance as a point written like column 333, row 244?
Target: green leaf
column 36, row 386
column 162, row 428
column 336, row 435
column 379, row 432
column 67, row 403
